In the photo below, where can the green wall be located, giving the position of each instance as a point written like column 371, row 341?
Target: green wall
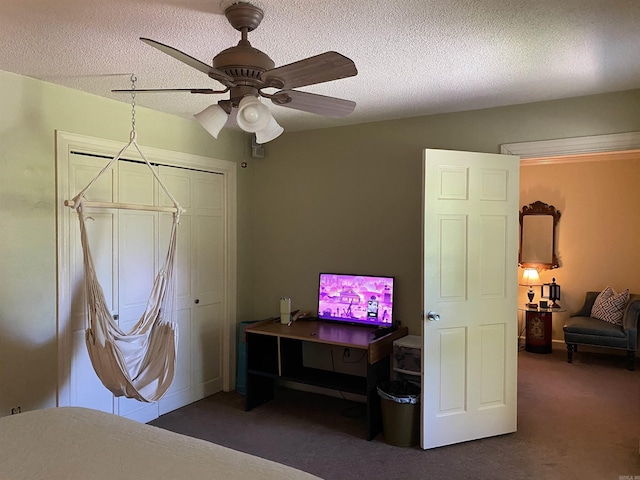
column 31, row 111
column 348, row 199
column 345, row 199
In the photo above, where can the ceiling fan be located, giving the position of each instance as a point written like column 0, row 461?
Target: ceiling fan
column 246, row 73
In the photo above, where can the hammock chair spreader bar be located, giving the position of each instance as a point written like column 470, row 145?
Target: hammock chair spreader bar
column 125, row 206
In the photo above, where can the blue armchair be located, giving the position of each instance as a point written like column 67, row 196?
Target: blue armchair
column 582, row 329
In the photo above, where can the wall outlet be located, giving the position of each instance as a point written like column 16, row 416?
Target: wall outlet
column 16, row 410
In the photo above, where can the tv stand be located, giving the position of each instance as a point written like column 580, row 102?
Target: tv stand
column 274, row 351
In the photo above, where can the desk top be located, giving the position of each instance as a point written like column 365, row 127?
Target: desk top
column 317, row 331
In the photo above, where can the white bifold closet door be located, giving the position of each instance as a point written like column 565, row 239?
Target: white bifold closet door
column 128, row 248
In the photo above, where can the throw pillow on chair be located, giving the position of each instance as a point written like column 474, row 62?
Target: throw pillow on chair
column 609, row 305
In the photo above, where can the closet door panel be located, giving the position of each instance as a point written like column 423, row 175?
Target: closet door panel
column 138, row 261
column 85, row 387
column 138, row 264
column 208, row 212
column 101, row 229
column 206, row 371
column 138, row 245
column 198, row 371
column 180, row 392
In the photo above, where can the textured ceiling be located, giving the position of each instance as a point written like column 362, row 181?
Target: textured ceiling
column 414, row 57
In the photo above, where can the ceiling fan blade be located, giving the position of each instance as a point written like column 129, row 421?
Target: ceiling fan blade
column 192, row 62
column 310, row 71
column 314, row 103
column 169, row 90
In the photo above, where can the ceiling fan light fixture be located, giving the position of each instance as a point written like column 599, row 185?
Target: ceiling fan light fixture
column 253, row 115
column 246, row 72
column 271, row 131
column 213, row 119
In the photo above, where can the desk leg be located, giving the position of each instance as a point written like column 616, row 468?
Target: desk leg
column 260, row 390
column 376, row 373
column 261, row 359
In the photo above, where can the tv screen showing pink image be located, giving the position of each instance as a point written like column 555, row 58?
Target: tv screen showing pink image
column 358, row 299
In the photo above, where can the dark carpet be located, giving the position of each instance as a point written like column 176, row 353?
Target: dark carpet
column 575, row 421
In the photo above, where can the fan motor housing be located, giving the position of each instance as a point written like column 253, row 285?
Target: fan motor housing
column 244, row 63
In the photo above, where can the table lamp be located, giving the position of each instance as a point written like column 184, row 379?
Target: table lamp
column 530, row 278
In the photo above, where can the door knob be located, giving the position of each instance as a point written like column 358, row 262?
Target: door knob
column 433, row 316
column 197, row 300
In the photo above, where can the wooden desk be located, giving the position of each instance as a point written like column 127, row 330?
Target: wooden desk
column 274, row 351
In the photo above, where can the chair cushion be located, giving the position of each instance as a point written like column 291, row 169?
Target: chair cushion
column 593, row 326
column 609, row 305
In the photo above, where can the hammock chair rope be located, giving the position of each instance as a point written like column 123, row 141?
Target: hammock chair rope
column 140, row 363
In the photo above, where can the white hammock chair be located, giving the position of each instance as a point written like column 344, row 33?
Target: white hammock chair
column 140, row 363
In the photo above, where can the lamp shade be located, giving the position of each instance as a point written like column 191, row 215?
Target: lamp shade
column 271, row 131
column 212, row 118
column 253, row 115
column 530, row 277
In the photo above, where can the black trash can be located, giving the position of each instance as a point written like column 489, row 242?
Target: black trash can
column 400, row 405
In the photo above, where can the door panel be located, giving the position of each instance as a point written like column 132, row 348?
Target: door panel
column 138, row 262
column 470, row 280
column 453, row 257
column 179, row 182
column 180, row 392
column 451, row 381
column 199, row 283
column 493, row 231
column 206, row 361
column 492, row 342
column 208, row 207
column 101, row 230
column 86, row 389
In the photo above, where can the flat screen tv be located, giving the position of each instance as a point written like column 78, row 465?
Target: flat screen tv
column 356, row 299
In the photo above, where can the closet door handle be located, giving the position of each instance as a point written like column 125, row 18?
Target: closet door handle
column 197, row 301
column 116, row 316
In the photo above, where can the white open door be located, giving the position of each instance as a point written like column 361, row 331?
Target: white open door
column 470, row 261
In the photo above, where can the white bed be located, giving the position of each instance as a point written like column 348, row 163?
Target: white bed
column 81, row 444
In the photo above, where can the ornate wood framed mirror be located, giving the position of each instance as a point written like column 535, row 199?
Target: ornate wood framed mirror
column 538, row 223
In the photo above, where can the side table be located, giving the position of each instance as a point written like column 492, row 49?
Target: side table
column 538, row 328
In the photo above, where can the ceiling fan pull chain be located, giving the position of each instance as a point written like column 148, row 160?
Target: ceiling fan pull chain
column 134, row 79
